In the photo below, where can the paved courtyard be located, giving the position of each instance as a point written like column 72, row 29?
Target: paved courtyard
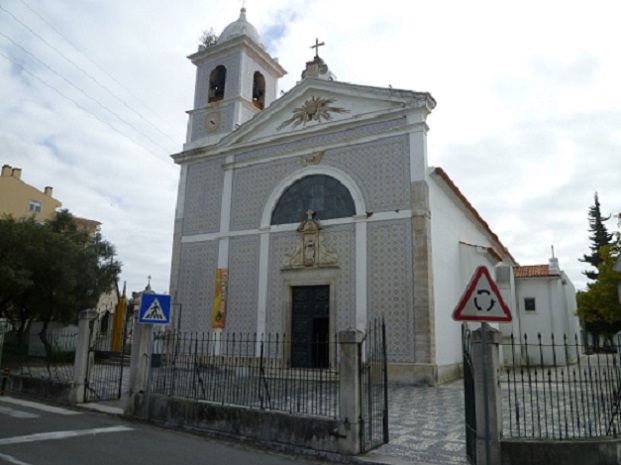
column 426, row 425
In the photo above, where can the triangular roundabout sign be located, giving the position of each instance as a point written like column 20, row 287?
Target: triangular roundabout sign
column 482, row 301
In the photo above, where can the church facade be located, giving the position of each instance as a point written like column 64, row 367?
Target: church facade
column 317, row 211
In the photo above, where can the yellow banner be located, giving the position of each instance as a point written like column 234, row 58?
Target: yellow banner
column 218, row 315
column 118, row 322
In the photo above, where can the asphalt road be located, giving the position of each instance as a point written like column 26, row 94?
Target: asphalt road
column 38, row 434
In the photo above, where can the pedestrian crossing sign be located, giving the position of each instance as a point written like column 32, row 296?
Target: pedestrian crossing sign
column 154, row 309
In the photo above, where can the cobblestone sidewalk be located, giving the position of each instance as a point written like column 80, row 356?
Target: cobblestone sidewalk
column 426, row 425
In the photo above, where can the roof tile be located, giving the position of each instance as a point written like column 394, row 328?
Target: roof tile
column 533, row 271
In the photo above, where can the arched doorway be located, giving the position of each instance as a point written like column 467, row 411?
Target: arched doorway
column 310, row 287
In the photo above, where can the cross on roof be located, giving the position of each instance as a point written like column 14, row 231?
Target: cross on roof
column 316, row 47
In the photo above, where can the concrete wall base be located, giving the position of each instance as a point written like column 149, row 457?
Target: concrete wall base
column 423, row 373
column 577, row 452
column 41, row 388
column 448, row 373
column 413, row 373
column 300, row 432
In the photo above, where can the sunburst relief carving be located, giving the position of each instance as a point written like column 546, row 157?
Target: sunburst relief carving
column 313, row 109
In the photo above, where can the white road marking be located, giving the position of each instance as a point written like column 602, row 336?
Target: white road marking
column 12, row 460
column 62, row 435
column 17, row 413
column 38, row 406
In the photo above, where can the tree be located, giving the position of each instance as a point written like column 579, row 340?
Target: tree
column 208, row 38
column 51, row 271
column 599, row 238
column 599, row 305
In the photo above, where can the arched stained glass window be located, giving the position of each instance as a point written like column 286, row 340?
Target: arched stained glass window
column 326, row 196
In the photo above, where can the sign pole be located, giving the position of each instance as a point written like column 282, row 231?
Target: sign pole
column 485, row 388
column 482, row 302
column 149, row 354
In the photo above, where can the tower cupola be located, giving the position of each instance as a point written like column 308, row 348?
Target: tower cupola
column 238, row 28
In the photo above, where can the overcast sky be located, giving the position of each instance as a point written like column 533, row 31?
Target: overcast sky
column 93, row 97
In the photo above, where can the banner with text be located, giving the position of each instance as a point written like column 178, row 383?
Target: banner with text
column 218, row 316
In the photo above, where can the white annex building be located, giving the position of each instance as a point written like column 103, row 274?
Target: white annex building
column 320, row 211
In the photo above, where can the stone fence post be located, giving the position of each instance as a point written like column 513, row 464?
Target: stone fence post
column 80, row 364
column 488, row 401
column 350, row 346
column 139, row 364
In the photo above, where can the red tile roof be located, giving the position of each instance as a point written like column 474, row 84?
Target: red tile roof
column 449, row 182
column 533, row 271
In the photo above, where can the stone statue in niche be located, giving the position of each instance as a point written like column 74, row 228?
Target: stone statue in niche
column 309, row 251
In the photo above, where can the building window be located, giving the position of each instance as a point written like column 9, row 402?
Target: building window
column 529, row 304
column 324, row 195
column 34, row 206
column 258, row 91
column 217, row 80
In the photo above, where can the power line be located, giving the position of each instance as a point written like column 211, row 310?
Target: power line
column 94, row 63
column 79, row 68
column 76, row 103
column 83, row 92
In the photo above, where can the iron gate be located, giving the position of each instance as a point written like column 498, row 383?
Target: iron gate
column 106, row 374
column 374, row 388
column 469, row 400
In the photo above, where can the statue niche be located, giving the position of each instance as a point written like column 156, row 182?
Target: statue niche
column 309, row 251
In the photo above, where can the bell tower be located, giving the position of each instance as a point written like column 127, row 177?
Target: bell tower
column 235, row 79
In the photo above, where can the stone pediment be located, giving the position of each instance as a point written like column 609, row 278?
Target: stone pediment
column 315, row 104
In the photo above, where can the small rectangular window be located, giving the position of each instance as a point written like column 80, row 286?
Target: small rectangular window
column 529, row 304
column 34, row 206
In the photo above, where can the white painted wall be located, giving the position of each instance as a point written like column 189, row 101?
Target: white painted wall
column 453, row 264
column 555, row 303
column 508, row 293
column 555, row 300
column 540, row 320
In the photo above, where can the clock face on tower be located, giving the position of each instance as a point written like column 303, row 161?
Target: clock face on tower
column 212, row 122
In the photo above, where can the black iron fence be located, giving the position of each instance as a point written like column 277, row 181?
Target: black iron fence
column 48, row 357
column 552, row 390
column 107, row 373
column 374, row 387
column 469, row 396
column 247, row 370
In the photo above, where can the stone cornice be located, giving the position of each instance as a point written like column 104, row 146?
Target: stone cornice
column 216, row 150
column 223, row 103
column 254, row 50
